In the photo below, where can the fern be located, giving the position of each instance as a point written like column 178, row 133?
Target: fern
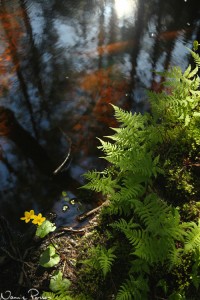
column 157, row 232
column 178, row 104
column 106, row 259
column 138, row 151
column 196, row 57
column 101, row 259
column 127, row 119
column 100, row 182
column 139, row 266
column 133, row 289
column 192, row 237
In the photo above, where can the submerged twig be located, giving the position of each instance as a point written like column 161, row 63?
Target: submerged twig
column 68, row 155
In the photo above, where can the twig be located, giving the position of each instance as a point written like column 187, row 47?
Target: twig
column 72, row 230
column 63, row 269
column 91, row 212
column 68, row 155
column 13, row 257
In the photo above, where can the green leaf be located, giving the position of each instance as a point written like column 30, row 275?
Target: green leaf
column 49, row 257
column 45, row 228
column 163, row 284
column 187, row 72
column 57, row 283
column 196, row 114
column 64, row 194
column 187, row 120
column 195, row 45
column 193, row 73
column 176, row 296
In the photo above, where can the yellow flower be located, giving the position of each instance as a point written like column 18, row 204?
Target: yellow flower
column 39, row 219
column 28, row 216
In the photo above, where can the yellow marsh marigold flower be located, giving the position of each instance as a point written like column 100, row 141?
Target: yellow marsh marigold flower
column 28, row 215
column 39, row 219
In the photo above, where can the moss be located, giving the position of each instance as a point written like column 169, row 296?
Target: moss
column 190, row 211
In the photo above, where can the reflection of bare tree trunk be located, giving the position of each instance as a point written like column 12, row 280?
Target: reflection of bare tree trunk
column 55, row 87
column 113, row 25
column 101, row 35
column 34, row 59
column 31, row 149
column 29, row 146
column 9, row 166
column 7, row 26
column 112, row 32
column 156, row 49
column 137, row 35
column 159, row 48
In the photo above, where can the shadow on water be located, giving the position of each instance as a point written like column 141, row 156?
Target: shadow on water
column 61, row 65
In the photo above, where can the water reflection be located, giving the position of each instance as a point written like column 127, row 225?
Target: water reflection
column 125, row 8
column 61, row 65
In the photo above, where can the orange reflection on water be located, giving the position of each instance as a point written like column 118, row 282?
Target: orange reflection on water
column 105, row 86
column 113, row 48
column 10, row 36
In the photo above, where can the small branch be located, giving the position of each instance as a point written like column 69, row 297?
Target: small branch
column 93, row 211
column 71, row 230
column 68, row 155
column 13, row 257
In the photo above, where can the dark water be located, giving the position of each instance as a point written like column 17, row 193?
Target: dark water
column 61, row 65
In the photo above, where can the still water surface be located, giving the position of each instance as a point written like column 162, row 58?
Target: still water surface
column 61, row 65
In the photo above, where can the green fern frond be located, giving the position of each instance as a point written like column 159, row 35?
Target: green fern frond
column 154, row 135
column 112, row 151
column 196, row 57
column 192, row 237
column 158, row 105
column 154, row 238
column 187, row 71
column 124, row 226
column 175, row 257
column 106, row 259
column 139, row 266
column 144, row 245
column 101, row 259
column 129, row 120
column 178, row 103
column 100, row 182
column 193, row 73
column 133, row 289
column 131, row 187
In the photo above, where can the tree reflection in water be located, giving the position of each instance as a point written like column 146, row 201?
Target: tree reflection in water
column 62, row 64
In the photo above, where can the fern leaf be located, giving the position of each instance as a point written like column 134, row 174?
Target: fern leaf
column 174, row 257
column 123, row 225
column 133, row 289
column 193, row 72
column 192, row 236
column 139, row 266
column 187, row 71
column 106, row 259
column 196, row 57
column 131, row 187
column 100, row 182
